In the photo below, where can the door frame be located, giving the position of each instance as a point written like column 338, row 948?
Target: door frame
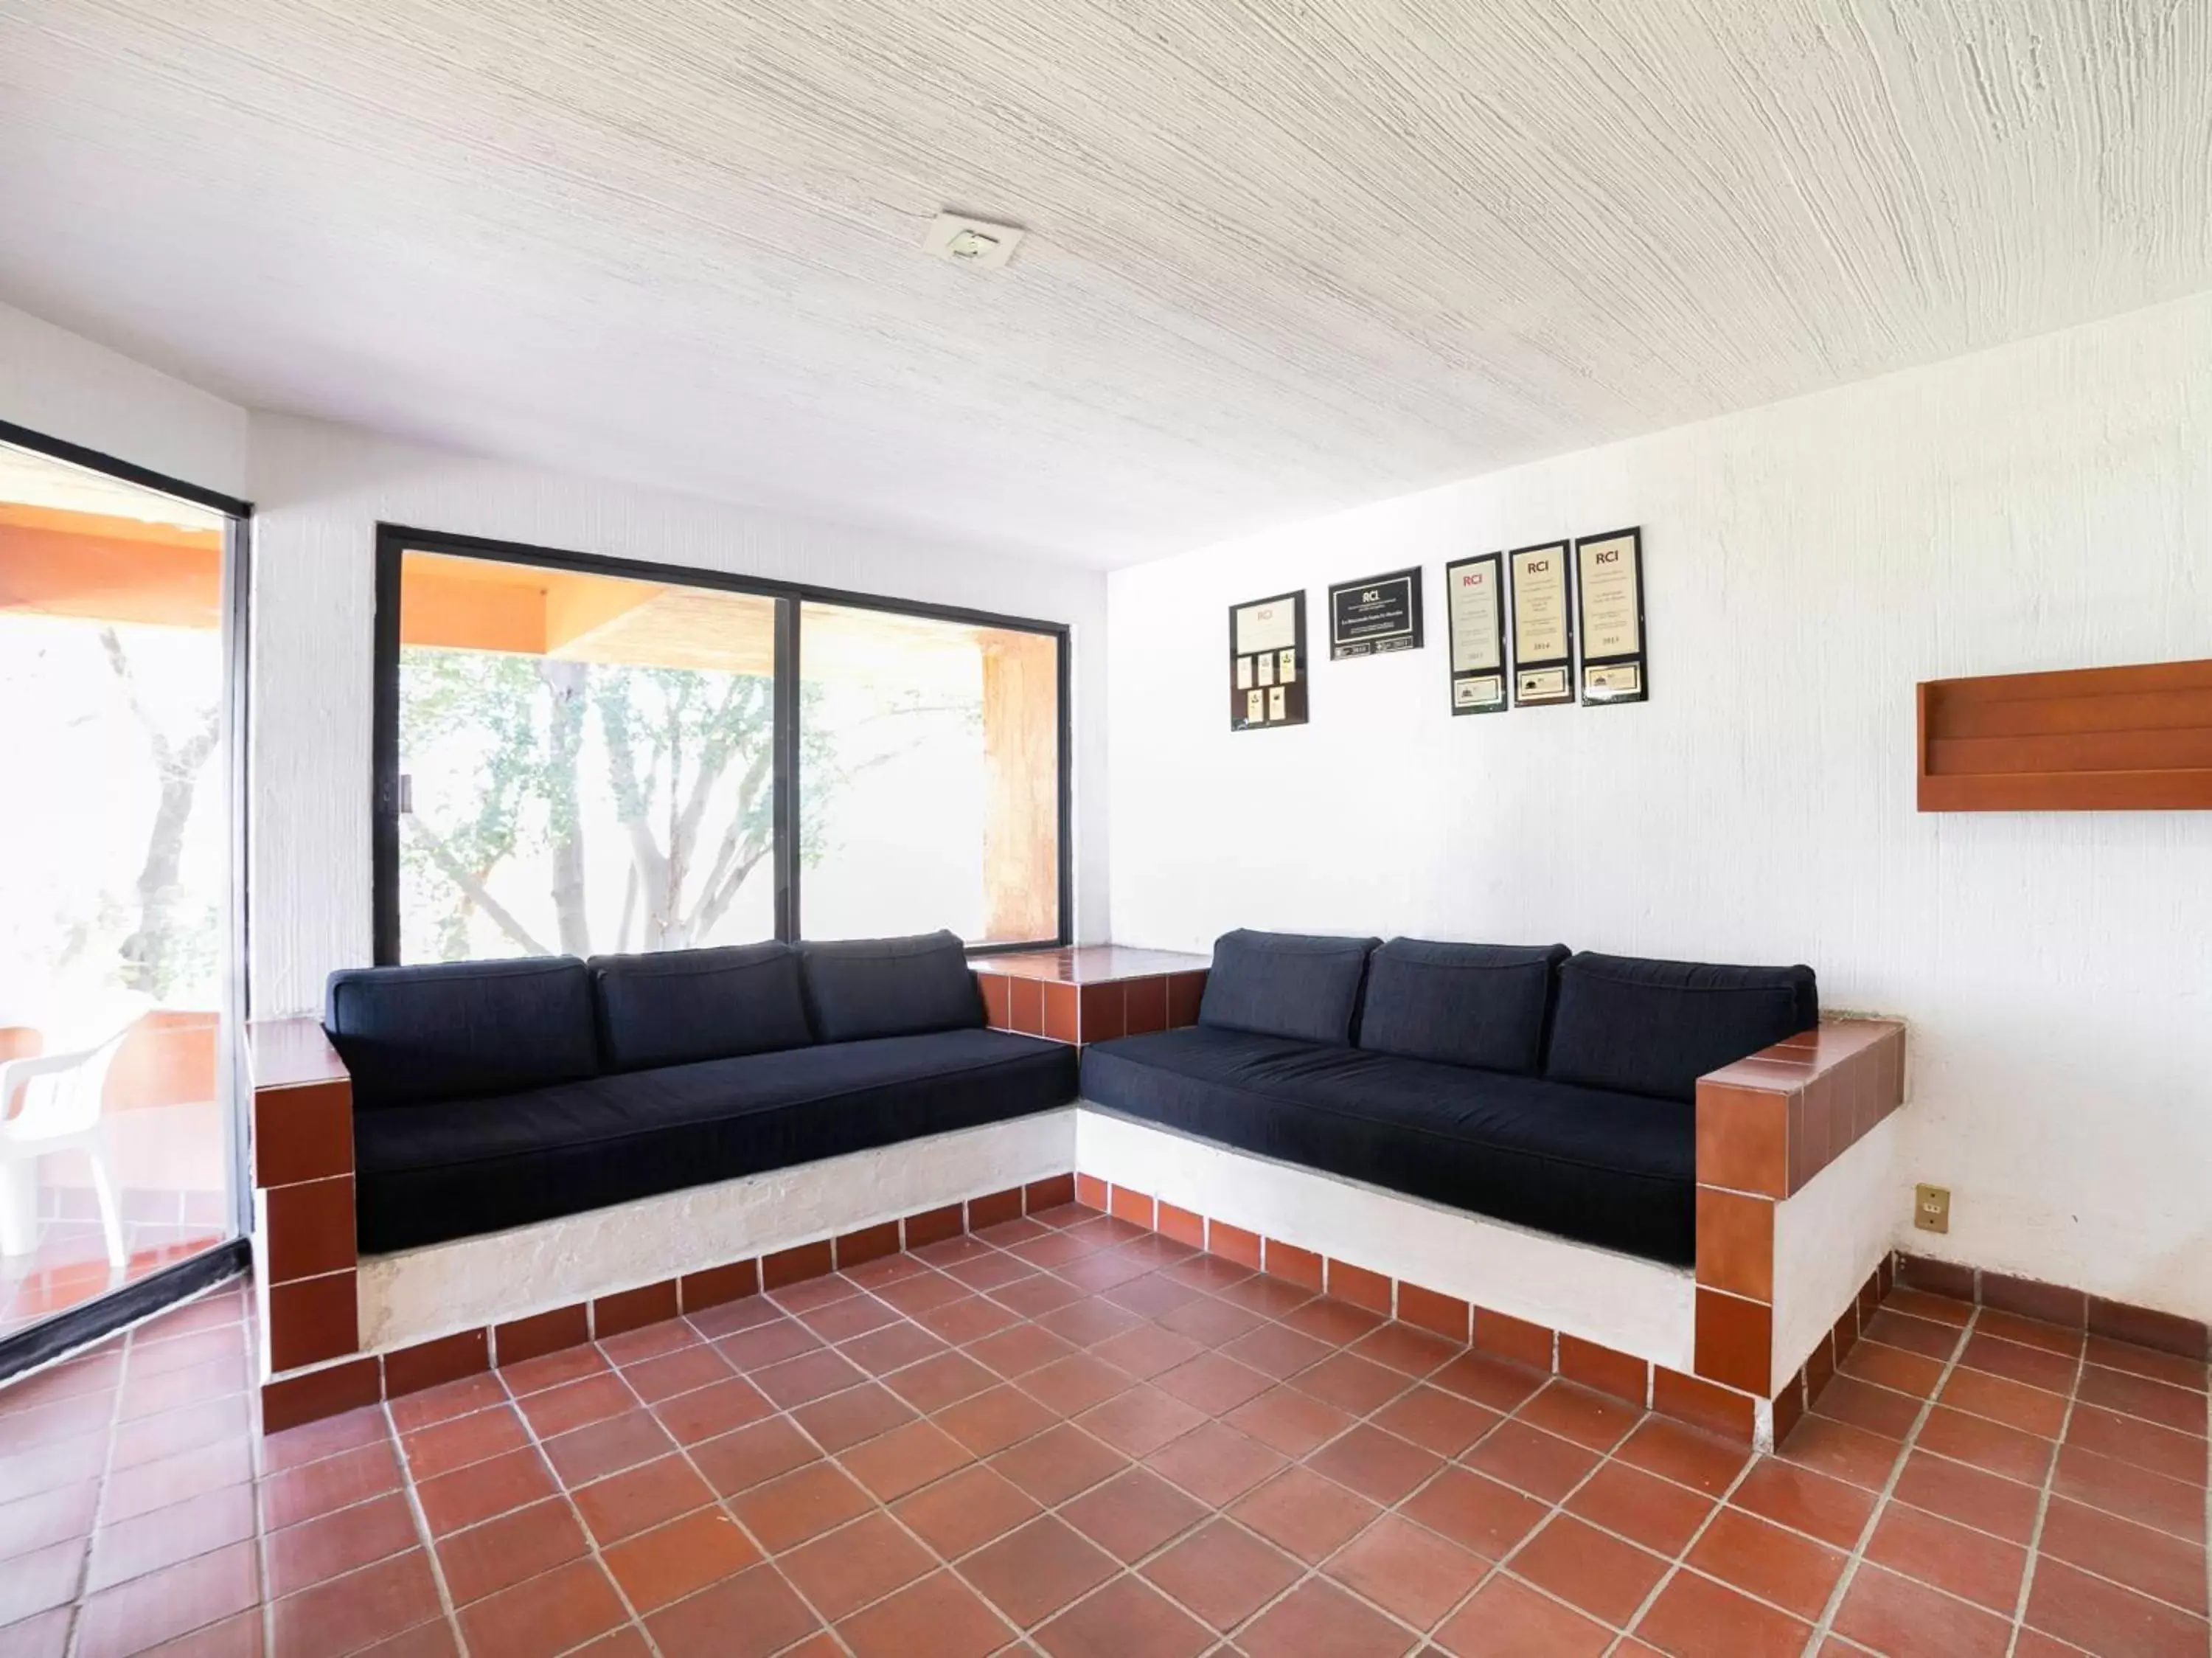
column 77, row 1326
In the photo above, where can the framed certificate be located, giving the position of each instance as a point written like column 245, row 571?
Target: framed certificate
column 1609, row 580
column 1474, row 614
column 1266, row 662
column 1375, row 616
column 1543, row 626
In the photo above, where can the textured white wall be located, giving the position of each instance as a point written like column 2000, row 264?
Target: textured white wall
column 61, row 386
column 2044, row 505
column 321, row 491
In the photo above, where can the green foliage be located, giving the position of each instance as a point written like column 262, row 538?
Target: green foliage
column 490, row 703
column 684, row 764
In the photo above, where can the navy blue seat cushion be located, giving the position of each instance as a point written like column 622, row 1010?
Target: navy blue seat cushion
column 1460, row 1004
column 429, row 1172
column 1606, row 1168
column 1655, row 1028
column 675, row 1007
column 455, row 1030
column 1285, row 984
column 861, row 988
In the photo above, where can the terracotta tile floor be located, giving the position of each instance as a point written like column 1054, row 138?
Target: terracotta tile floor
column 1140, row 1452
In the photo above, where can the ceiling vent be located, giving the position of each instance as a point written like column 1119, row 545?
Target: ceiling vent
column 975, row 242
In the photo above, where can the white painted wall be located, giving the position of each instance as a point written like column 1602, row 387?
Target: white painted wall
column 1830, row 1238
column 320, row 491
column 61, row 386
column 2045, row 505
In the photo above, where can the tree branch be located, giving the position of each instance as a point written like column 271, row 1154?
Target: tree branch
column 467, row 878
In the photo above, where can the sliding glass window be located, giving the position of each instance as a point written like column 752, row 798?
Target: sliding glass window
column 586, row 756
column 929, row 785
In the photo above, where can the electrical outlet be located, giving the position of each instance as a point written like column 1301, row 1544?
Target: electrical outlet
column 1931, row 1208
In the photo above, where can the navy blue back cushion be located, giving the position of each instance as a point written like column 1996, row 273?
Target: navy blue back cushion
column 867, row 987
column 1483, row 1005
column 1285, row 984
column 1655, row 1026
column 461, row 1030
column 674, row 1007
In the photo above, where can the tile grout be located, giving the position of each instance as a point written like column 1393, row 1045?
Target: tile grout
column 1825, row 1625
column 425, row 1541
column 1409, row 1384
column 2043, row 1500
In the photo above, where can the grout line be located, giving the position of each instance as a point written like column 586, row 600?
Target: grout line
column 427, row 1542
column 81, row 1597
column 568, row 1495
column 1680, row 1563
column 1825, row 1625
column 2043, row 1497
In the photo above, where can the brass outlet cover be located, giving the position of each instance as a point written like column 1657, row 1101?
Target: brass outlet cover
column 1931, row 1208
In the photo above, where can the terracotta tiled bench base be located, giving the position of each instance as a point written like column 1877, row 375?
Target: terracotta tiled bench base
column 289, row 1400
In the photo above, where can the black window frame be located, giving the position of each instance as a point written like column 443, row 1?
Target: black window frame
column 393, row 541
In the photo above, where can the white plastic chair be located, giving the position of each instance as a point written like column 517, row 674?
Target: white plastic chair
column 59, row 1110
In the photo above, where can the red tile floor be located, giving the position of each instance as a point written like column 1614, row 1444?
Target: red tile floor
column 1069, row 1437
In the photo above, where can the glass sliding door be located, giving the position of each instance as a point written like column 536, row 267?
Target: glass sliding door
column 117, row 941
column 585, row 762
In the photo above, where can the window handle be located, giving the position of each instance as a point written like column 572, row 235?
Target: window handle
column 406, row 794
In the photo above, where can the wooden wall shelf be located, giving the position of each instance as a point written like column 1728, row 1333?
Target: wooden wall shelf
column 2087, row 739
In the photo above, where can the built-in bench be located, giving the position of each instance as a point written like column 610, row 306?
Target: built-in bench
column 489, row 1095
column 1609, row 1166
column 1552, row 1091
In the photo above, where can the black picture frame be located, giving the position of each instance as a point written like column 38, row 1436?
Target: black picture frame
column 1377, row 616
column 1613, row 677
column 1479, row 690
column 1547, row 681
column 1260, row 697
column 394, row 541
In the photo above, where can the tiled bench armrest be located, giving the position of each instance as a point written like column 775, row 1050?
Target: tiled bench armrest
column 1769, row 1123
column 302, row 1102
column 1766, row 1126
column 303, row 1207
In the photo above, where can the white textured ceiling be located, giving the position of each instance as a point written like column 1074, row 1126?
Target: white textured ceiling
column 1282, row 257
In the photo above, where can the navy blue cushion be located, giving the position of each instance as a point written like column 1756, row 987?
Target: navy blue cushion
column 1606, row 1168
column 674, row 1007
column 861, row 988
column 1655, row 1027
column 1460, row 1004
column 429, row 1172
column 411, row 1035
column 1285, row 984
